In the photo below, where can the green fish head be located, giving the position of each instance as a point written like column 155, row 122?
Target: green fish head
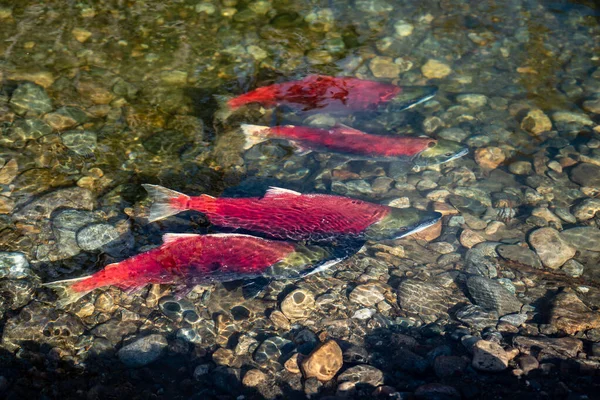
column 441, row 152
column 400, row 222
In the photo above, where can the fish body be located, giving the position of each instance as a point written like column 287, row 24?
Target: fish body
column 285, row 214
column 358, row 144
column 189, row 259
column 334, row 94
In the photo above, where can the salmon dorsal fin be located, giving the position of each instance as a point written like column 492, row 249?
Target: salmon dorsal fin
column 348, row 130
column 274, row 191
column 172, row 237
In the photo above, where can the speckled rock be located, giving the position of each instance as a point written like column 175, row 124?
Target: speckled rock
column 367, row 295
column 324, row 362
column 519, row 254
column 95, row 236
column 30, row 100
column 552, row 249
column 491, row 357
column 254, row 378
column 143, row 351
column 365, row 374
column 586, row 209
column 489, row 157
column 492, row 296
column 14, row 265
column 571, row 315
column 298, row 304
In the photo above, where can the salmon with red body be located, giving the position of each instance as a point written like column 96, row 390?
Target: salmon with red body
column 286, row 214
column 356, row 144
column 189, row 259
column 330, row 94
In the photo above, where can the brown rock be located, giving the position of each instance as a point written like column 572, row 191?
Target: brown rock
column 536, row 122
column 571, row 315
column 9, row 172
column 491, row 357
column 431, row 233
column 552, row 249
column 298, row 304
column 279, row 320
column 470, row 238
column 292, row 364
column 254, row 378
column 545, row 347
column 223, row 357
column 324, row 362
column 489, row 157
column 528, row 363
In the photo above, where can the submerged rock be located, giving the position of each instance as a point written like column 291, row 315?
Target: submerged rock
column 583, row 237
column 492, row 296
column 552, row 249
column 298, row 304
column 143, row 351
column 586, row 174
column 30, row 100
column 571, row 315
column 324, row 362
column 491, row 357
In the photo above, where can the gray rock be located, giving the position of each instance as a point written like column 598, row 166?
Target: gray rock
column 29, row 129
column 472, row 100
column 476, row 317
column 586, row 175
column 478, row 263
column 437, row 391
column 520, row 255
column 42, row 208
column 549, row 348
column 516, row 319
column 367, row 295
column 583, row 237
column 95, row 236
column 492, row 296
column 29, row 100
column 572, row 117
column 552, row 249
column 272, row 349
column 143, row 351
column 449, row 366
column 80, row 142
column 587, row 209
column 14, row 265
column 573, row 268
column 362, row 374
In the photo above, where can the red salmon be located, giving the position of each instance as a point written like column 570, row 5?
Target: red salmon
column 333, row 94
column 285, row 214
column 189, row 259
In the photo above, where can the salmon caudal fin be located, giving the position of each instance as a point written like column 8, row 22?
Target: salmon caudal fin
column 254, row 134
column 66, row 293
column 165, row 202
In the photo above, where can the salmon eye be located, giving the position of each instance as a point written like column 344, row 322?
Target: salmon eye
column 430, row 144
column 448, row 154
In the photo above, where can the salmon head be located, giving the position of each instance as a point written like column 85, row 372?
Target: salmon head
column 439, row 152
column 400, row 222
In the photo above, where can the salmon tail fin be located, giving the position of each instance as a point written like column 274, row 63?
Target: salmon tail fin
column 224, row 110
column 254, row 134
column 66, row 294
column 163, row 202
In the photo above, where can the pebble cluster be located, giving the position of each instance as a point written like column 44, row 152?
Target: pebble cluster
column 499, row 300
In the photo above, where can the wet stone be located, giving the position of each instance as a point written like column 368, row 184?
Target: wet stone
column 587, row 209
column 434, row 69
column 355, row 354
column 367, row 295
column 453, row 134
column 14, row 265
column 365, row 374
column 572, row 117
column 479, row 263
column 573, row 268
column 586, row 174
column 115, row 330
column 298, row 304
column 545, row 347
column 437, row 391
column 246, row 345
column 449, row 366
column 384, row 67
column 42, row 208
column 552, row 249
column 82, row 143
column 224, row 357
column 536, row 122
column 279, row 320
column 272, row 349
column 583, row 237
column 65, row 118
column 491, row 357
column 571, row 315
column 143, row 351
column 519, row 254
column 472, row 100
column 429, row 300
column 95, row 236
column 254, row 378
column 492, row 296
column 30, row 100
column 477, row 317
column 489, row 157
column 324, row 362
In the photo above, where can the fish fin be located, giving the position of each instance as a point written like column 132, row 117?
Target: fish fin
column 255, row 287
column 348, row 130
column 172, row 237
column 162, row 202
column 274, row 191
column 300, row 150
column 254, row 134
column 65, row 292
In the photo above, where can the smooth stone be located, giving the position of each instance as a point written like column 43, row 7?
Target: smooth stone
column 587, row 209
column 520, row 168
column 573, row 268
column 367, row 295
column 489, row 157
column 536, row 122
column 552, row 249
column 95, row 236
column 434, row 69
column 572, row 117
column 365, row 374
column 453, row 134
column 491, row 357
column 519, row 254
column 477, row 317
column 592, row 106
column 384, row 67
column 449, row 366
column 80, row 142
column 272, row 349
column 583, row 237
column 29, row 100
column 65, row 118
column 143, row 351
column 298, row 304
column 545, row 347
column 324, row 362
column 472, row 100
column 254, row 378
column 586, row 174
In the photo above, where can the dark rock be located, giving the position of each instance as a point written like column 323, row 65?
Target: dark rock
column 29, row 100
column 544, row 348
column 519, row 255
column 586, row 175
column 449, row 366
column 362, row 374
column 478, row 263
column 492, row 296
column 477, row 317
column 437, row 391
column 569, row 314
column 583, row 237
column 143, row 351
column 272, row 349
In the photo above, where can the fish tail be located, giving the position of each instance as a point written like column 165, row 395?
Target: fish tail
column 165, row 202
column 67, row 292
column 254, row 134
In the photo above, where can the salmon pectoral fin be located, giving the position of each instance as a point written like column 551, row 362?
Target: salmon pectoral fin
column 254, row 134
column 163, row 204
column 66, row 294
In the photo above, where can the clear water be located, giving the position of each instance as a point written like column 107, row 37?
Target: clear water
column 97, row 98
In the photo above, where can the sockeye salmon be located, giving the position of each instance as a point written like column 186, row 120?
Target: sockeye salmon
column 421, row 151
column 334, row 94
column 285, row 214
column 189, row 259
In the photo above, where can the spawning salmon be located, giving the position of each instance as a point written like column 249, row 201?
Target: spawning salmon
column 190, row 259
column 334, row 94
column 356, row 144
column 286, row 214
